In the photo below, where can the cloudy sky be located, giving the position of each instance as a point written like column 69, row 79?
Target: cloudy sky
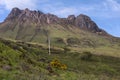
column 106, row 13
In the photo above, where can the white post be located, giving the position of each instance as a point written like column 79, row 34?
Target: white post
column 49, row 44
column 48, row 21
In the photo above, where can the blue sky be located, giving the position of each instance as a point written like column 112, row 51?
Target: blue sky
column 106, row 13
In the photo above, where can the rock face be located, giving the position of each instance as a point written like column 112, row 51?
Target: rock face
column 86, row 23
column 71, row 19
column 13, row 14
column 37, row 17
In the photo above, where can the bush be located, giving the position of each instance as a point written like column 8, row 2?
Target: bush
column 57, row 64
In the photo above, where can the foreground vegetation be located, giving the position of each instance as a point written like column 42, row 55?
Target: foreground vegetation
column 24, row 61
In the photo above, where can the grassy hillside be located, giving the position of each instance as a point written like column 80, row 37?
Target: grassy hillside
column 76, row 39
column 60, row 35
column 25, row 61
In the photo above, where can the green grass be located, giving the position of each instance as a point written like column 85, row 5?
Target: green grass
column 23, row 61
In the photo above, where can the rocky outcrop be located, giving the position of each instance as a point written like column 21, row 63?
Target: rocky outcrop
column 84, row 22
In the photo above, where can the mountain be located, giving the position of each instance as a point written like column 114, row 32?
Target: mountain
column 36, row 26
column 79, row 48
column 38, row 19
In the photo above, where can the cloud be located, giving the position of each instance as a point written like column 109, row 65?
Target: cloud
column 110, row 9
column 1, row 11
column 105, row 8
column 112, row 4
column 9, row 4
column 64, row 12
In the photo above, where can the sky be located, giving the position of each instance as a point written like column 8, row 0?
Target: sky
column 105, row 13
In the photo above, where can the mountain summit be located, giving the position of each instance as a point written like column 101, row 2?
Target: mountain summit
column 35, row 26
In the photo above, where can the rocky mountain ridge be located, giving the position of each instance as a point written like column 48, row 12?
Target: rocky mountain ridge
column 39, row 18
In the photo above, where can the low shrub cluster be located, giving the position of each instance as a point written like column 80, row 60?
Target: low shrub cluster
column 57, row 64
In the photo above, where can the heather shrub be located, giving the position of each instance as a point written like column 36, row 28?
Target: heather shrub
column 55, row 63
